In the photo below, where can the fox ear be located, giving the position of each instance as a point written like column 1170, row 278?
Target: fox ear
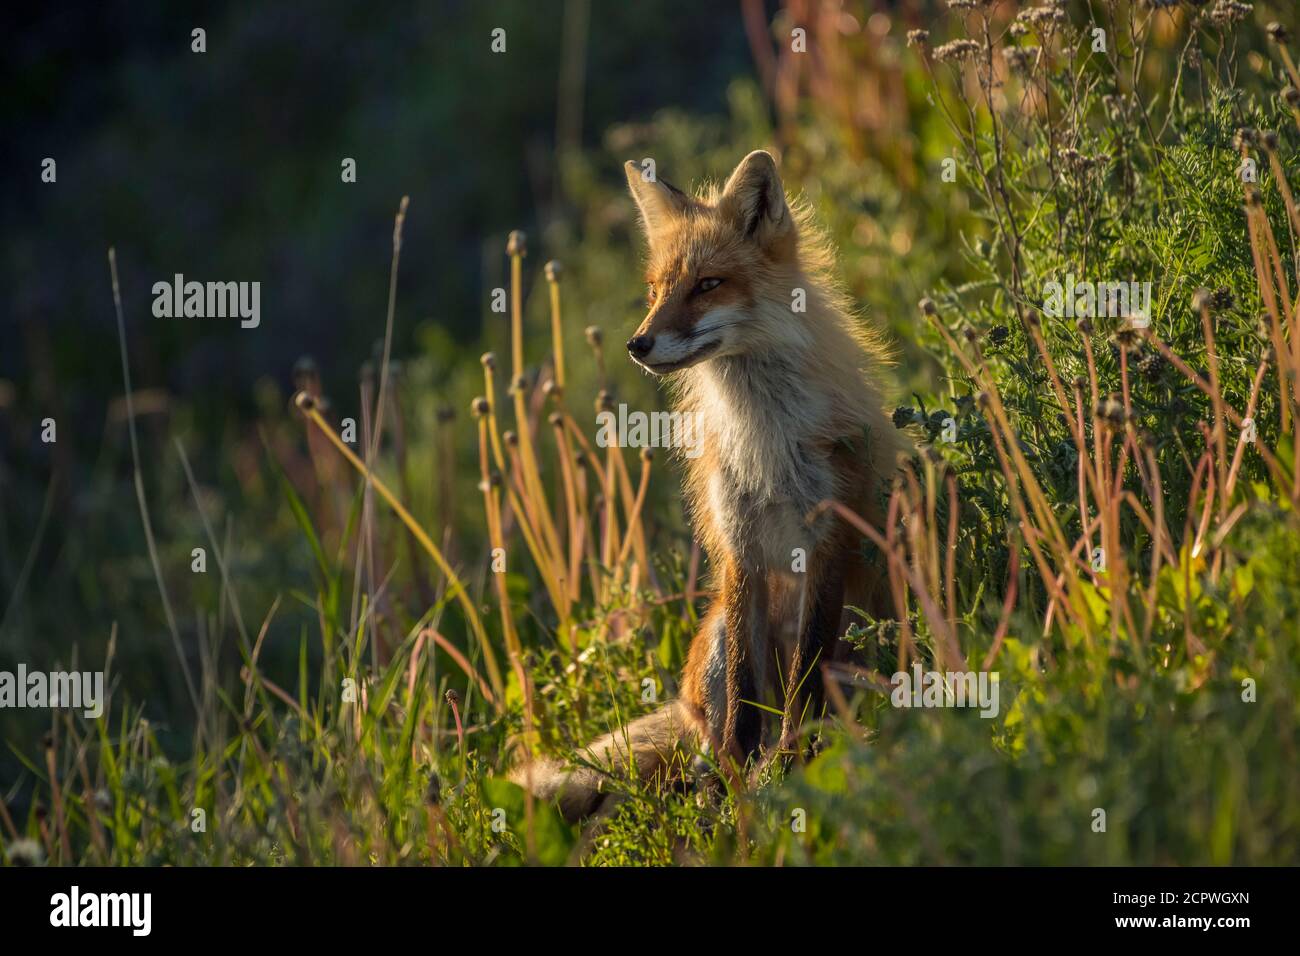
column 658, row 201
column 755, row 197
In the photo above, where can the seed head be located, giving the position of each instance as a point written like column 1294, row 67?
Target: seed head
column 903, row 416
column 1111, row 411
column 1127, row 339
column 1151, row 365
column 433, row 789
column 25, row 852
column 1020, row 58
column 1043, row 19
column 1228, row 12
column 956, row 50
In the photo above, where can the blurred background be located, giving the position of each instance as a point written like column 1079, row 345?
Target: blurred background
column 226, row 164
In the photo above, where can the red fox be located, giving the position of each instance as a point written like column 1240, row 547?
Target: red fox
column 758, row 344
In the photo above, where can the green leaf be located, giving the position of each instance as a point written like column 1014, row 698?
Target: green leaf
column 553, row 839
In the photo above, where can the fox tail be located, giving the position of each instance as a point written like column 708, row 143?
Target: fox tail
column 650, row 746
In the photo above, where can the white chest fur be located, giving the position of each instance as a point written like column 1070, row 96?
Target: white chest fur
column 768, row 428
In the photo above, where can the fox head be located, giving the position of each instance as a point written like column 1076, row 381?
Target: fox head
column 721, row 268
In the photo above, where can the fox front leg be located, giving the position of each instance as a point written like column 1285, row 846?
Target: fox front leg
column 745, row 596
column 821, row 606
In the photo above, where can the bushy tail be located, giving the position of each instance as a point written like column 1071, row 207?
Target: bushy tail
column 653, row 744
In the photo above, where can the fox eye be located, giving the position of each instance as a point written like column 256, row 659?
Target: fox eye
column 650, row 293
column 707, row 285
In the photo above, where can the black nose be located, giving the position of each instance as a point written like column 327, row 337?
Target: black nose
column 640, row 345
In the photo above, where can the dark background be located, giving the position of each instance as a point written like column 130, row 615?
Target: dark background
column 226, row 165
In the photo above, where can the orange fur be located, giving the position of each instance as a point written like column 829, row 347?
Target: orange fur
column 759, row 344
